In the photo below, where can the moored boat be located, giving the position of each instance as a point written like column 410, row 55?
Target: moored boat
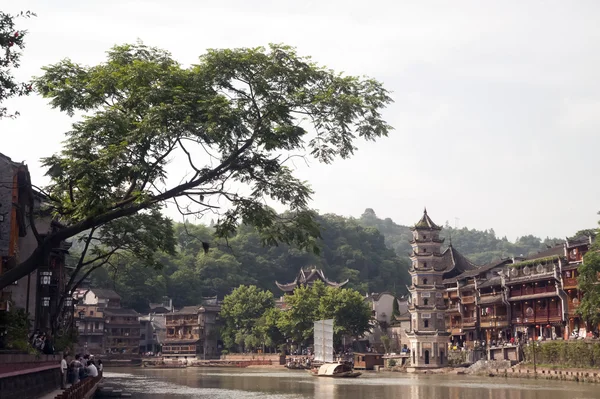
column 335, row 370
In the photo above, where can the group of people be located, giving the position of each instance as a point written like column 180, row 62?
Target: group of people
column 79, row 368
column 42, row 342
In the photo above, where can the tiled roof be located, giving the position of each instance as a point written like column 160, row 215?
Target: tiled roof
column 188, row 310
column 426, row 223
column 105, row 294
column 120, row 312
column 304, row 278
column 490, row 282
column 489, row 300
column 558, row 250
column 455, row 264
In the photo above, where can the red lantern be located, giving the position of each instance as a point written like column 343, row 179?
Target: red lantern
column 537, row 326
column 548, row 326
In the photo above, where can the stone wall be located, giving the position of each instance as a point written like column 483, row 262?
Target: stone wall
column 25, row 376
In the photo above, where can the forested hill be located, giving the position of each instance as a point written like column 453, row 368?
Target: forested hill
column 370, row 252
column 481, row 247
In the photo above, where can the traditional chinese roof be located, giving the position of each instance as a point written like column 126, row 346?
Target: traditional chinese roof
column 490, row 299
column 558, row 250
column 455, row 264
column 188, row 310
column 119, row 312
column 425, row 223
column 105, row 293
column 305, row 278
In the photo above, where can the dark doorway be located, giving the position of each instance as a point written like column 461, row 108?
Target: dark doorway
column 426, row 357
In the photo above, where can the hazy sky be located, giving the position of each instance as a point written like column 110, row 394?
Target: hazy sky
column 497, row 103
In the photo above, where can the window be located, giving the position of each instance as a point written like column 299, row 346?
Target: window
column 425, row 281
column 424, row 249
column 91, row 312
column 143, row 337
column 424, row 264
column 426, row 323
column 425, row 301
column 424, row 237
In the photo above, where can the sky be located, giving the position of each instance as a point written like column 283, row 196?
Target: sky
column 496, row 109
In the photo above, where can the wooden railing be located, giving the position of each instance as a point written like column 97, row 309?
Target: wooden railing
column 468, row 299
column 80, row 390
column 469, row 320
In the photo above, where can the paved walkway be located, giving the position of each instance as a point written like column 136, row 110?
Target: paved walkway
column 53, row 394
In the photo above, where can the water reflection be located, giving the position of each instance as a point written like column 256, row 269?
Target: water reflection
column 279, row 384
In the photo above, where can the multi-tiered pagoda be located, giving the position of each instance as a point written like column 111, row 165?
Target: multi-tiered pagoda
column 427, row 336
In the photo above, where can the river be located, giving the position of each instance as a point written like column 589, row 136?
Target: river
column 290, row 384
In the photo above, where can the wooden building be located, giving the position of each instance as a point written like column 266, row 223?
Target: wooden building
column 367, row 361
column 193, row 332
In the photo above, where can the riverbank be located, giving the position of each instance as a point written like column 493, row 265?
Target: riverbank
column 587, row 375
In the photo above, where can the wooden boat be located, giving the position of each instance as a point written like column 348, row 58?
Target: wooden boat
column 335, row 370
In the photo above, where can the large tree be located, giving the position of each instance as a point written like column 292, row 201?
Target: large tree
column 588, row 282
column 241, row 312
column 12, row 42
column 236, row 118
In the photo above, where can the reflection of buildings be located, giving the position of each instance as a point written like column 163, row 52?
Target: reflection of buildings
column 513, row 297
column 193, row 332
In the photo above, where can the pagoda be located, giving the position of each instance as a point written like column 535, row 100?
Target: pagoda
column 308, row 278
column 427, row 336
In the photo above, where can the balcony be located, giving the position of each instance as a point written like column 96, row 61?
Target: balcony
column 181, row 322
column 573, row 306
column 468, row 299
column 469, row 321
column 570, row 282
column 531, row 290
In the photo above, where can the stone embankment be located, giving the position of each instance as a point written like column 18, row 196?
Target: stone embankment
column 501, row 369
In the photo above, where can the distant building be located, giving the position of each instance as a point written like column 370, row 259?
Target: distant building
column 382, row 308
column 153, row 332
column 308, row 278
column 193, row 332
column 166, row 306
column 103, row 326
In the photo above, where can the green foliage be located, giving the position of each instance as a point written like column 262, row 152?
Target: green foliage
column 479, row 246
column 579, row 353
column 347, row 251
column 12, row 42
column 386, row 341
column 588, row 283
column 392, row 363
column 347, row 307
column 14, row 327
column 246, row 324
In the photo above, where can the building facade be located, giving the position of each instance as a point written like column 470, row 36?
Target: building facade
column 192, row 332
column 103, row 325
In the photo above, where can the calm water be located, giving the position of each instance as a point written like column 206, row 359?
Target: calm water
column 284, row 384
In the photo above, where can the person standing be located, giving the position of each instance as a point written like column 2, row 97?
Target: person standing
column 92, row 371
column 63, row 372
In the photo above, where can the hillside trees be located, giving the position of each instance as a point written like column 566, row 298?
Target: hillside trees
column 235, row 119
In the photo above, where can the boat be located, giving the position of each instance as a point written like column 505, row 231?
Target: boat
column 323, row 340
column 335, row 370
